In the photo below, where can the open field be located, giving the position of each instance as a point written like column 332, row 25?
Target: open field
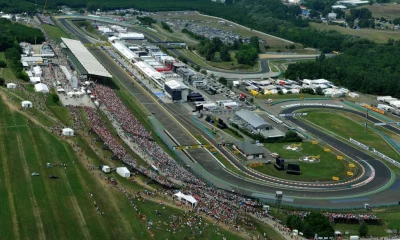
column 347, row 128
column 328, row 167
column 379, row 36
column 388, row 11
column 54, row 32
column 391, row 217
column 6, row 73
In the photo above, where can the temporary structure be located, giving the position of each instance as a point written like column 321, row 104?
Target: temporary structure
column 106, row 169
column 26, row 104
column 11, row 85
column 68, row 132
column 186, row 198
column 34, row 80
column 123, row 172
column 41, row 87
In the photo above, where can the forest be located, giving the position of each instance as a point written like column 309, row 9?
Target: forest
column 368, row 67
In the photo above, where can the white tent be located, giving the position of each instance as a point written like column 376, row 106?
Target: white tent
column 34, row 80
column 187, row 198
column 353, row 95
column 37, row 71
column 11, row 85
column 106, row 169
column 60, row 90
column 41, row 87
column 26, row 104
column 68, row 132
column 123, row 172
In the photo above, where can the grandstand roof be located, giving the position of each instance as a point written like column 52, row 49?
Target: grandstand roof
column 88, row 61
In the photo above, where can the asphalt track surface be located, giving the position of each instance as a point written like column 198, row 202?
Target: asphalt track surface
column 246, row 186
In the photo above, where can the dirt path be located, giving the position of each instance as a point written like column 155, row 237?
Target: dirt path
column 36, row 210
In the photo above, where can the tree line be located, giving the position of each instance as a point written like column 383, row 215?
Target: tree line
column 368, row 67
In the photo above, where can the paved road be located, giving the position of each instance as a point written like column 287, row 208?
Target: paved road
column 243, row 185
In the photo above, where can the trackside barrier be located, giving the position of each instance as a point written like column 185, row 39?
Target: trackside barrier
column 387, row 138
column 377, row 115
column 359, row 144
column 201, row 126
column 394, row 162
column 297, row 99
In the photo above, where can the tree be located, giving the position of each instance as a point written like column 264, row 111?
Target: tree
column 363, row 229
column 254, row 41
column 224, row 54
column 292, row 136
column 318, row 223
column 2, row 81
column 247, row 55
column 3, row 64
column 223, row 80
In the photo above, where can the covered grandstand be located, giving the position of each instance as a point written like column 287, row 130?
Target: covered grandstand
column 83, row 60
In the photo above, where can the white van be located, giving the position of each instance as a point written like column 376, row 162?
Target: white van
column 354, row 238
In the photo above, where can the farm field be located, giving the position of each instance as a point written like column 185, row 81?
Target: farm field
column 42, row 208
column 328, row 166
column 350, row 129
column 379, row 36
column 388, row 11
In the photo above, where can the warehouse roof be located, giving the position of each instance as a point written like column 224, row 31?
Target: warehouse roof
column 86, row 59
column 252, row 118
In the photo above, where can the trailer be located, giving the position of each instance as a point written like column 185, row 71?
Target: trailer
column 388, row 100
column 384, row 107
column 395, row 104
column 382, row 98
column 210, row 106
column 230, row 105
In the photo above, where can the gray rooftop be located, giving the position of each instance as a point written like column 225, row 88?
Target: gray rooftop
column 252, row 119
column 247, row 147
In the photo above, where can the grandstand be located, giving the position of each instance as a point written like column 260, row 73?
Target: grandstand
column 83, row 60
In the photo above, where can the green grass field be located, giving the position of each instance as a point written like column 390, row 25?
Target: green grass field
column 353, row 229
column 54, row 32
column 379, row 36
column 328, row 166
column 391, row 217
column 42, row 208
column 6, row 73
column 388, row 11
column 349, row 129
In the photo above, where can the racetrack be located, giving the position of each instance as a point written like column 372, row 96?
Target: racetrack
column 258, row 189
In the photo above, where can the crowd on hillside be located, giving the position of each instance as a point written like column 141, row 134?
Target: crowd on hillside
column 98, row 126
column 341, row 217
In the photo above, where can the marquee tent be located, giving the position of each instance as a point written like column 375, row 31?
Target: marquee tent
column 123, row 172
column 68, row 132
column 26, row 104
column 41, row 87
column 186, row 198
column 11, row 85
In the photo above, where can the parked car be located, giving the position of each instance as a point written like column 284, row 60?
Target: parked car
column 35, row 174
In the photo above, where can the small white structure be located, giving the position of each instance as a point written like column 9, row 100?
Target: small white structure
column 11, row 85
column 123, row 172
column 130, row 36
column 353, row 95
column 106, row 169
column 186, row 199
column 41, row 87
column 34, row 80
column 68, row 132
column 26, row 104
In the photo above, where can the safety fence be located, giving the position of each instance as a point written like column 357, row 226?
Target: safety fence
column 377, row 115
column 304, row 99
